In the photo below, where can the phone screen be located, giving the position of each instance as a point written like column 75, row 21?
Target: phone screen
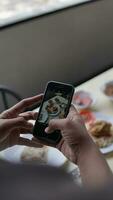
column 55, row 105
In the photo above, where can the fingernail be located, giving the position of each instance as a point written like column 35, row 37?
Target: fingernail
column 30, row 125
column 46, row 130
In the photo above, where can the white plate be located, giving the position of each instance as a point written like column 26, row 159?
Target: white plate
column 100, row 116
column 55, row 157
column 13, row 154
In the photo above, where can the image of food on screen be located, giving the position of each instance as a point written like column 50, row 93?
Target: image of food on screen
column 53, row 107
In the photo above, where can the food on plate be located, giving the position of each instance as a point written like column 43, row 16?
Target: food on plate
column 87, row 116
column 80, row 100
column 52, row 107
column 100, row 128
column 34, row 154
column 52, row 110
column 102, row 132
column 109, row 89
column 83, row 99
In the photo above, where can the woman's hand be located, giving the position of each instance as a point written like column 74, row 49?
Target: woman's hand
column 78, row 147
column 74, row 134
column 13, row 123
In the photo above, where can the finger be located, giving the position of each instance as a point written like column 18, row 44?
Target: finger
column 73, row 109
column 27, row 142
column 24, row 104
column 56, row 124
column 59, row 124
column 37, row 141
column 18, row 122
column 29, row 115
column 72, row 112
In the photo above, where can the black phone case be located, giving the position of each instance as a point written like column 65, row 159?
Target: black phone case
column 56, row 136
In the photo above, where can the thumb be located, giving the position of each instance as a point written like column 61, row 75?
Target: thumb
column 73, row 109
column 55, row 124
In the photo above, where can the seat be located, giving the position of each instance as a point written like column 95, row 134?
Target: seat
column 8, row 97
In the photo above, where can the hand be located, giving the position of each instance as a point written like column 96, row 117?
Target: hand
column 74, row 134
column 13, row 123
column 77, row 145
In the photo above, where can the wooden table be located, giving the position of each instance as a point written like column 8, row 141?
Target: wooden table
column 103, row 104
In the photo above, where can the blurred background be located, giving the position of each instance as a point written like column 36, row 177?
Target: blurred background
column 63, row 40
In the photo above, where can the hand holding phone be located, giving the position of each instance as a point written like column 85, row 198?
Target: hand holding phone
column 55, row 105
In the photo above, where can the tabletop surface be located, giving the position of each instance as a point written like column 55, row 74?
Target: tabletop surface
column 103, row 104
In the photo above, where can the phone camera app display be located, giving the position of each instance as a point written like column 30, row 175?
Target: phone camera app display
column 54, row 106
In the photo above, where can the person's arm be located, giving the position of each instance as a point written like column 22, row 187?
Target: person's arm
column 93, row 166
column 78, row 147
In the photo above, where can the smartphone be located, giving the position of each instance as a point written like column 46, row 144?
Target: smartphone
column 55, row 105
